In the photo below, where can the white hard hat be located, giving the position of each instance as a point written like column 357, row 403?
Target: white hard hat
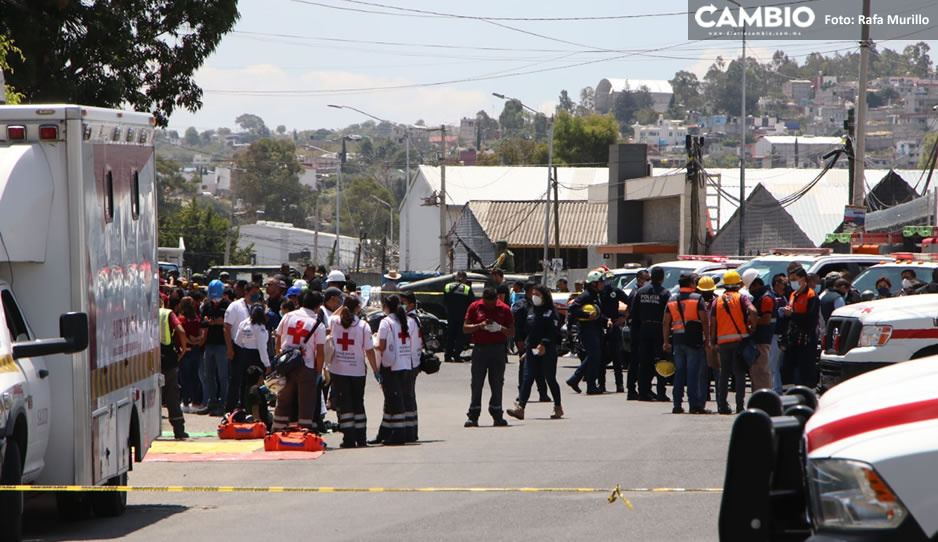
column 301, row 284
column 335, row 276
column 749, row 275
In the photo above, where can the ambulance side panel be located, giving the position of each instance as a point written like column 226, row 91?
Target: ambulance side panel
column 121, row 232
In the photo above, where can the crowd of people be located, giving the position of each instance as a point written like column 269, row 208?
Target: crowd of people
column 220, row 341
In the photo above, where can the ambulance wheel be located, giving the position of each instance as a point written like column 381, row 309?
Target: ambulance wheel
column 11, row 502
column 109, row 504
column 73, row 505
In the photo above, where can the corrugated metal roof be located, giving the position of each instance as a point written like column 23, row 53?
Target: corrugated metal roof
column 513, row 183
column 777, row 180
column 521, row 223
column 817, row 213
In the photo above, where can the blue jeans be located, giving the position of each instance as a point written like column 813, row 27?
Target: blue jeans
column 687, row 363
column 189, row 377
column 775, row 365
column 214, row 375
column 589, row 369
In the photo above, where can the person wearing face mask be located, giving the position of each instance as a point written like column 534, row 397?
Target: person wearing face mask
column 609, row 299
column 237, row 312
column 908, row 277
column 800, row 364
column 780, row 331
column 763, row 300
column 883, row 288
column 931, row 287
column 541, row 339
column 519, row 310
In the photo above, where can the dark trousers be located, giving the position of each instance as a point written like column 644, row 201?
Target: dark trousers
column 299, row 400
column 612, row 353
column 410, row 403
column 487, row 360
column 631, row 380
column 393, row 428
column 171, row 400
column 544, row 367
column 589, row 369
column 189, row 382
column 731, row 364
column 350, row 407
column 650, row 342
column 455, row 340
column 799, row 366
column 237, row 376
column 538, row 377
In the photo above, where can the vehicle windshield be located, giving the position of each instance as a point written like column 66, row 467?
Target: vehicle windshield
column 625, row 279
column 671, row 276
column 769, row 268
column 867, row 279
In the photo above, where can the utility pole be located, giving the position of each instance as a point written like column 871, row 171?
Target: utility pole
column 860, row 139
column 742, row 158
column 443, row 247
column 693, row 145
column 338, row 182
column 550, row 165
column 556, row 217
column 849, row 134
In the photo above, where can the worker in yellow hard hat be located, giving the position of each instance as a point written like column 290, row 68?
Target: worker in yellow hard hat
column 590, row 325
column 731, row 319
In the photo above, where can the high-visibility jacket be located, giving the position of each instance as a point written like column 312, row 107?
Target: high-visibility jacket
column 731, row 324
column 166, row 336
column 457, row 288
column 690, row 303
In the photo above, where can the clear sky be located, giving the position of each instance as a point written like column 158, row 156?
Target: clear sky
column 286, row 60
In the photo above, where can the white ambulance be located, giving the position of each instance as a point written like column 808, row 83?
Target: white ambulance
column 78, row 234
column 866, row 336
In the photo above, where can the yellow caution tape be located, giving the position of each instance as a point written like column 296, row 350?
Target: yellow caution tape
column 616, row 492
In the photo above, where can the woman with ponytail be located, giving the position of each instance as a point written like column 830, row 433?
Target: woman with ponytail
column 394, row 343
column 353, row 345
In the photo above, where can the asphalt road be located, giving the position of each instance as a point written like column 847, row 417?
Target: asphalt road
column 602, row 441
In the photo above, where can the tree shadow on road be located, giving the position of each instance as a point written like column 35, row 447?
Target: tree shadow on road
column 41, row 522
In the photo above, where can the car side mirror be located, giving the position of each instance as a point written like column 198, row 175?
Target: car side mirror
column 73, row 327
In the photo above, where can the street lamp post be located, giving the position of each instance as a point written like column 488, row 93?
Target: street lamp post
column 550, row 162
column 390, row 237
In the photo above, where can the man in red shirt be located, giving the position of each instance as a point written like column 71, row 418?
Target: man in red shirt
column 491, row 324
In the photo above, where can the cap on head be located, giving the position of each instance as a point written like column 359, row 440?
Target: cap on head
column 294, row 291
column 330, row 293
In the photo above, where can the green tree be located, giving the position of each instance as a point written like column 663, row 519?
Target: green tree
column 686, row 94
column 206, row 234
column 362, row 213
column 628, row 103
column 486, row 125
column 587, row 103
column 141, row 53
column 267, row 179
column 253, row 124
column 207, row 137
column 520, row 152
column 918, row 60
column 281, row 129
column 171, row 187
column 565, row 103
column 928, row 148
column 222, row 132
column 6, row 49
column 512, row 118
column 584, row 141
column 192, row 136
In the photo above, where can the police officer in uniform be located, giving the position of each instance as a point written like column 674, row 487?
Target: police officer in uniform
column 520, row 310
column 649, row 305
column 631, row 382
column 457, row 296
column 506, row 258
column 591, row 325
column 609, row 300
